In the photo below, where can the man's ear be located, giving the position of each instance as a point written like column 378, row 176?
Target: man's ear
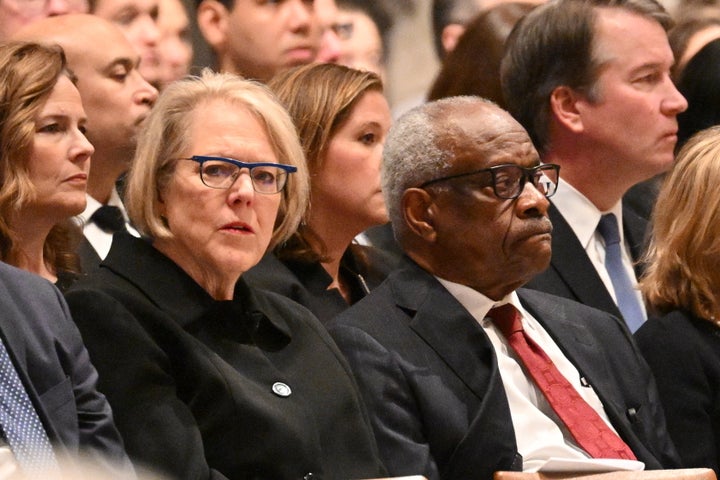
column 213, row 22
column 565, row 107
column 419, row 212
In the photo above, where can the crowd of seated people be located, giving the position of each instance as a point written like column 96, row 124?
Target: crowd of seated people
column 191, row 282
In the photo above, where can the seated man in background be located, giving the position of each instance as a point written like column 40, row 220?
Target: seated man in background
column 440, row 349
column 257, row 39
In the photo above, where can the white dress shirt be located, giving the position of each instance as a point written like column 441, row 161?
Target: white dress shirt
column 583, row 218
column 539, row 433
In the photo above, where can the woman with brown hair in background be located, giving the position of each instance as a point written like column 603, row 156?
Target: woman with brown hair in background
column 342, row 119
column 44, row 161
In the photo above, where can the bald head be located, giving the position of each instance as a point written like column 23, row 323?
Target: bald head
column 76, row 34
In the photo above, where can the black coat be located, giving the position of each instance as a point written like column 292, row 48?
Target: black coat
column 200, row 387
column 684, row 353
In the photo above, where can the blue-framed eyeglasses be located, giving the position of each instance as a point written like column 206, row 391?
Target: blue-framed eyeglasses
column 509, row 180
column 221, row 173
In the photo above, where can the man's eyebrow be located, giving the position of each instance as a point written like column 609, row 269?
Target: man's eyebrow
column 126, row 62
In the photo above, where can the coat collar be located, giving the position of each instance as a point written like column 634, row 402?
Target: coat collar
column 173, row 291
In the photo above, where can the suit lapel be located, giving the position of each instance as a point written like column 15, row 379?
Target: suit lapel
column 572, row 264
column 635, row 229
column 454, row 335
column 444, row 324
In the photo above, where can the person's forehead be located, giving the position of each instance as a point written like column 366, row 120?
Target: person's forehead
column 617, row 28
column 104, row 6
column 487, row 136
column 98, row 48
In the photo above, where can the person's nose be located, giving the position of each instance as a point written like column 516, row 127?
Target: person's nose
column 330, row 46
column 81, row 149
column 144, row 92
column 62, row 7
column 674, row 102
column 301, row 16
column 532, row 202
column 242, row 190
column 149, row 30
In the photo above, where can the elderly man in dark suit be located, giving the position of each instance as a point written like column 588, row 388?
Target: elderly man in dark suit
column 47, row 384
column 440, row 349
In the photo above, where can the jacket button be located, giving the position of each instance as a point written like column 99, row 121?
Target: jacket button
column 309, row 476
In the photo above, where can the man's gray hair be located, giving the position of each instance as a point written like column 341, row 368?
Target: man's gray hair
column 415, row 152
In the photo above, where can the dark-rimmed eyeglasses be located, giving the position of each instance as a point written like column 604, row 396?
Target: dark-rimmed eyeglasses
column 221, row 173
column 508, row 181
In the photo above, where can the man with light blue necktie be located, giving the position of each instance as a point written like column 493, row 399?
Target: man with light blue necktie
column 590, row 81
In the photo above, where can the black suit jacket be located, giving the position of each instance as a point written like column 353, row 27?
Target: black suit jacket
column 198, row 385
column 54, row 367
column 684, row 353
column 572, row 275
column 430, row 378
column 89, row 258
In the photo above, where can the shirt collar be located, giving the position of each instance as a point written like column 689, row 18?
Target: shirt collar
column 475, row 302
column 580, row 213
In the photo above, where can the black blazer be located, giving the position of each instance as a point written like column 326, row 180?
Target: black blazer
column 684, row 353
column 572, row 275
column 54, row 367
column 252, row 388
column 430, row 379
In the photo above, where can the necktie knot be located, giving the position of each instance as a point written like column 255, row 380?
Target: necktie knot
column 506, row 318
column 608, row 228
column 109, row 218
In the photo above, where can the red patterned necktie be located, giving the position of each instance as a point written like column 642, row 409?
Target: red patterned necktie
column 584, row 424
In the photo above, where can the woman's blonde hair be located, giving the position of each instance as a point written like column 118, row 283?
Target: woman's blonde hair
column 683, row 259
column 164, row 139
column 28, row 74
column 320, row 98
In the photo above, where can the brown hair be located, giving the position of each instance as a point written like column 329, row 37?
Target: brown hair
column 552, row 46
column 28, row 74
column 680, row 35
column 319, row 98
column 473, row 67
column 683, row 259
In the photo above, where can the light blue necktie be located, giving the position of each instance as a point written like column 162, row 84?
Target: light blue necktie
column 627, row 300
column 20, row 423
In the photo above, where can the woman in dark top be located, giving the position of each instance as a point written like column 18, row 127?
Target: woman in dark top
column 682, row 286
column 209, row 378
column 342, row 118
column 44, row 161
